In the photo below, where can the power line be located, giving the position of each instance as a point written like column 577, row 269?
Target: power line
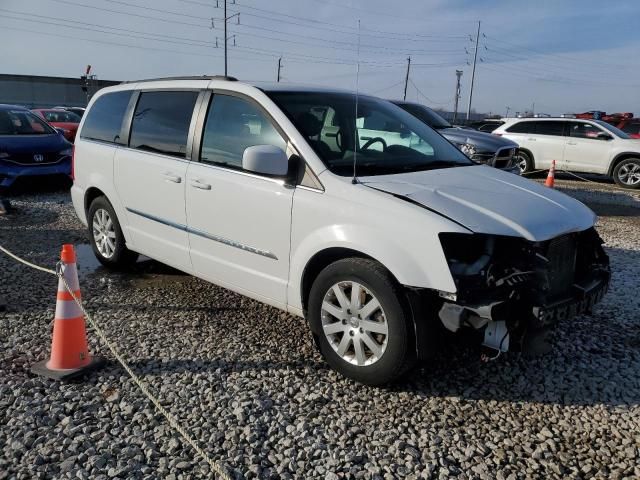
column 132, row 5
column 120, row 12
column 314, row 21
column 560, row 56
column 374, row 12
column 141, row 35
column 127, row 45
column 342, row 44
column 425, row 97
column 388, row 88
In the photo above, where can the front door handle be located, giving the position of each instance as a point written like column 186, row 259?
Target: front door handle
column 170, row 177
column 571, row 143
column 198, row 184
column 531, row 139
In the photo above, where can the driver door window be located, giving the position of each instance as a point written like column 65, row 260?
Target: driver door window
column 232, row 125
column 583, row 130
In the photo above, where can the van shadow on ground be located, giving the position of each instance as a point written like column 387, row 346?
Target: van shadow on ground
column 595, row 360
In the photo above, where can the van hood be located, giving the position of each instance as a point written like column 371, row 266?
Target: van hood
column 487, row 200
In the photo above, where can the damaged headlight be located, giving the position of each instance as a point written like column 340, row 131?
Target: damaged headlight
column 481, row 262
column 468, row 149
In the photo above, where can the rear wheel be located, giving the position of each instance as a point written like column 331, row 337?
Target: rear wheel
column 106, row 237
column 524, row 161
column 627, row 173
column 361, row 326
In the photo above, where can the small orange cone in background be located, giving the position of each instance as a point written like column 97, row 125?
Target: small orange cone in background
column 551, row 177
column 69, row 351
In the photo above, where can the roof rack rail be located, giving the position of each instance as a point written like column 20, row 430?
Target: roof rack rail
column 193, row 77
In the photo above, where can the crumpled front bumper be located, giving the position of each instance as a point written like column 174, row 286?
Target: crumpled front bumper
column 582, row 299
column 9, row 172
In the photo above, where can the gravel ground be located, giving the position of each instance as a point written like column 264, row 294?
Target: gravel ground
column 246, row 381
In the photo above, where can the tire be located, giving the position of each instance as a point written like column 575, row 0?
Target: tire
column 524, row 160
column 627, row 173
column 392, row 353
column 113, row 253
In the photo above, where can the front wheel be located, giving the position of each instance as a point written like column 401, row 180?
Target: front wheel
column 360, row 324
column 524, row 162
column 627, row 173
column 106, row 237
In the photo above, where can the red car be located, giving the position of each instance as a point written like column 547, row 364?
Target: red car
column 624, row 121
column 631, row 126
column 67, row 121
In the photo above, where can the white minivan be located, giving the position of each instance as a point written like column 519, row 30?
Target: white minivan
column 577, row 145
column 380, row 244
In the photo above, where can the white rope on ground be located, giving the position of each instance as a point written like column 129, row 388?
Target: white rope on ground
column 215, row 467
column 604, row 185
column 533, row 172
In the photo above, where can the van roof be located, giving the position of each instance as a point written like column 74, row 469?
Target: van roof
column 264, row 86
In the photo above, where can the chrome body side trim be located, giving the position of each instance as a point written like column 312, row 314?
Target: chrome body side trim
column 215, row 238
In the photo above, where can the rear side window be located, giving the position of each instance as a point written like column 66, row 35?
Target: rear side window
column 234, row 124
column 161, row 122
column 521, row 127
column 549, row 128
column 104, row 119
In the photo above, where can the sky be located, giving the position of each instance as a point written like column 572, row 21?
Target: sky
column 547, row 55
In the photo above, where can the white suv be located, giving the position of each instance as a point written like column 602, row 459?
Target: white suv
column 576, row 145
column 380, row 243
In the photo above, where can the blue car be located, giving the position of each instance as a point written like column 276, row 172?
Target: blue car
column 29, row 146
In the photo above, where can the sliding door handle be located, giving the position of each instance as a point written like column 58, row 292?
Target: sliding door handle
column 198, row 184
column 170, row 177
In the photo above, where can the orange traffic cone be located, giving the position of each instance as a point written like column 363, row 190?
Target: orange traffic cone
column 551, row 177
column 69, row 351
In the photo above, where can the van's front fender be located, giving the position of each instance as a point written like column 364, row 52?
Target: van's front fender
column 416, row 261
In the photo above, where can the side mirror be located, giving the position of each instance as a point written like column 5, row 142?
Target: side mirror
column 265, row 160
column 60, row 131
column 604, row 136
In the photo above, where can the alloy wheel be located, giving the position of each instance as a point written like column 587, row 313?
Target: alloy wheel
column 354, row 323
column 629, row 174
column 522, row 163
column 104, row 233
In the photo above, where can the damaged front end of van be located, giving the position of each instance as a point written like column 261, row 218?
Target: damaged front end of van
column 513, row 290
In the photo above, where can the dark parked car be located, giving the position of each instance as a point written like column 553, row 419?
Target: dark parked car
column 479, row 146
column 29, row 146
column 77, row 110
column 488, row 125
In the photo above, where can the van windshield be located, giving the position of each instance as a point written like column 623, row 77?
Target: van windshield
column 383, row 137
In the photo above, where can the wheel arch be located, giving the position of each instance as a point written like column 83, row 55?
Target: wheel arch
column 323, row 259
column 90, row 195
column 619, row 158
column 530, row 153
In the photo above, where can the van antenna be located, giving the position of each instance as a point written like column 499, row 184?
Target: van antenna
column 354, row 180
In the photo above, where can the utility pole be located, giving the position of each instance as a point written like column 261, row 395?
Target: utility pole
column 225, row 41
column 226, row 36
column 406, row 78
column 457, row 96
column 507, row 114
column 473, row 72
column 279, row 67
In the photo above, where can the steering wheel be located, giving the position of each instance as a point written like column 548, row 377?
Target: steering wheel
column 373, row 140
column 339, row 140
